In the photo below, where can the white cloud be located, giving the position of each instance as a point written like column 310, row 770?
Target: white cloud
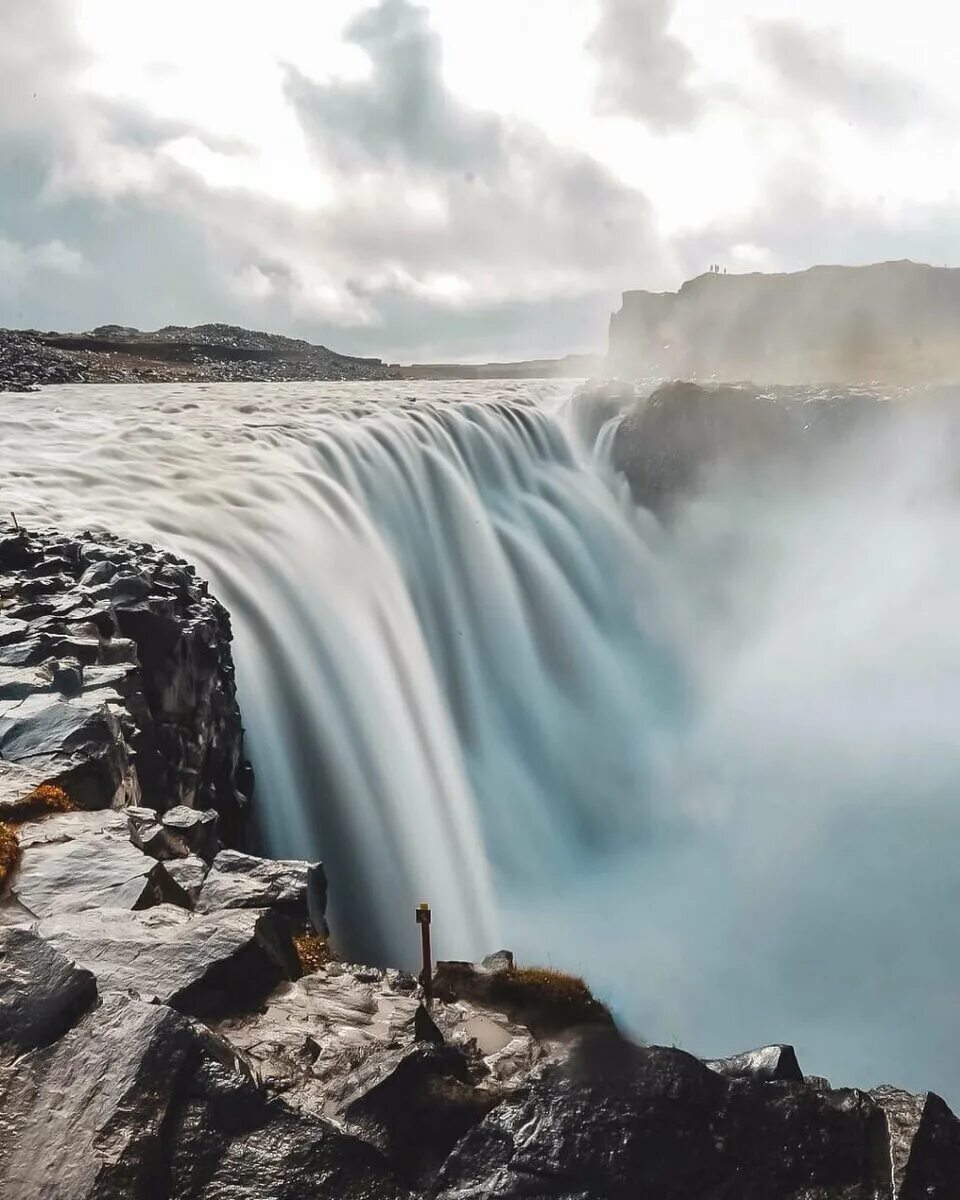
column 18, row 263
column 397, row 167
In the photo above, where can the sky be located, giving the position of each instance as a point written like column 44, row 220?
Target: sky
column 448, row 180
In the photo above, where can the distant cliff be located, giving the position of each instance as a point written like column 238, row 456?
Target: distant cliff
column 894, row 321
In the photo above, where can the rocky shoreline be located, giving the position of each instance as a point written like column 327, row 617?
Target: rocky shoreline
column 174, row 354
column 175, row 1026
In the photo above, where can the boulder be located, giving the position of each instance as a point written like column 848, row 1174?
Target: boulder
column 90, row 871
column 327, row 1039
column 240, row 880
column 148, row 834
column 655, row 1122
column 187, row 875
column 419, row 1111
column 653, row 1136
column 767, row 1062
column 229, row 1142
column 64, row 827
column 193, row 831
column 200, row 965
column 42, row 993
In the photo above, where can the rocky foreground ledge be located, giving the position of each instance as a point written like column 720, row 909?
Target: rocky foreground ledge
column 173, row 1025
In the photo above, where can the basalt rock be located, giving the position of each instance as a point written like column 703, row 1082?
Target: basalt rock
column 240, row 880
column 198, row 964
column 768, row 1062
column 42, row 994
column 138, row 1103
column 116, row 682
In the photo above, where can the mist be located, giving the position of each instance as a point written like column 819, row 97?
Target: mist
column 797, row 881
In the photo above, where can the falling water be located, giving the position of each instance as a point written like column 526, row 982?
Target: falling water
column 449, row 660
column 712, row 765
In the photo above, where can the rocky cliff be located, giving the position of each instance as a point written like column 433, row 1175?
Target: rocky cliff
column 173, row 1025
column 896, row 321
column 116, row 679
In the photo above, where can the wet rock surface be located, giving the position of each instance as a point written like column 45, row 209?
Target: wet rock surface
column 42, row 993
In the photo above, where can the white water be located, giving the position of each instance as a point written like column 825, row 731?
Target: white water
column 714, row 769
column 448, row 691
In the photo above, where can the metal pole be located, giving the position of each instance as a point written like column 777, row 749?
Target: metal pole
column 426, row 975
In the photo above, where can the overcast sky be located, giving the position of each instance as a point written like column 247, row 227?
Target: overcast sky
column 455, row 179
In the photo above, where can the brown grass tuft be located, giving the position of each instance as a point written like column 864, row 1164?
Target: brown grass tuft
column 312, row 950
column 9, row 852
column 549, row 998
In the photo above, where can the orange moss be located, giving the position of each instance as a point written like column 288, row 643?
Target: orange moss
column 312, row 950
column 46, row 798
column 9, row 852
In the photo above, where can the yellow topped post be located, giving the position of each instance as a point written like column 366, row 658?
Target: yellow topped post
column 426, row 975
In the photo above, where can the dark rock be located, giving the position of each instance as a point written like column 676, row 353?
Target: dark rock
column 421, row 1109
column 64, row 827
column 670, row 444
column 68, row 677
column 317, row 898
column 655, row 1137
column 12, row 630
column 195, row 832
column 768, row 1062
column 924, row 1141
column 425, row 1028
column 46, row 725
column 200, row 965
column 147, row 707
column 243, row 881
column 230, row 1143
column 42, row 994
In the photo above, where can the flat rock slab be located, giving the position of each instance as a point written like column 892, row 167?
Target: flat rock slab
column 44, row 724
column 243, row 881
column 90, row 871
column 197, row 964
column 42, row 993
column 64, row 827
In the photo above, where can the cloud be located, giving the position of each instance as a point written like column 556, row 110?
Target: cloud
column 426, row 210
column 17, row 262
column 645, row 72
column 481, row 208
column 815, row 65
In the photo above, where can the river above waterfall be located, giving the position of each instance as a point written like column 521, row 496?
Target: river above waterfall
column 710, row 767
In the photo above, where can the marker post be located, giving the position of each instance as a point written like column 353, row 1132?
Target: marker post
column 426, row 975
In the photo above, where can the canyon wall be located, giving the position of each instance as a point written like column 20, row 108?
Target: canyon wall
column 895, row 321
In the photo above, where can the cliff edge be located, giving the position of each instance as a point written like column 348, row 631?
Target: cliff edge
column 896, row 322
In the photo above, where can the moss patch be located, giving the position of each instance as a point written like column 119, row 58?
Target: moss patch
column 313, row 951
column 47, row 798
column 548, row 999
column 9, row 852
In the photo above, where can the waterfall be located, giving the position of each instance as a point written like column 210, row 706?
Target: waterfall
column 710, row 764
column 449, row 657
